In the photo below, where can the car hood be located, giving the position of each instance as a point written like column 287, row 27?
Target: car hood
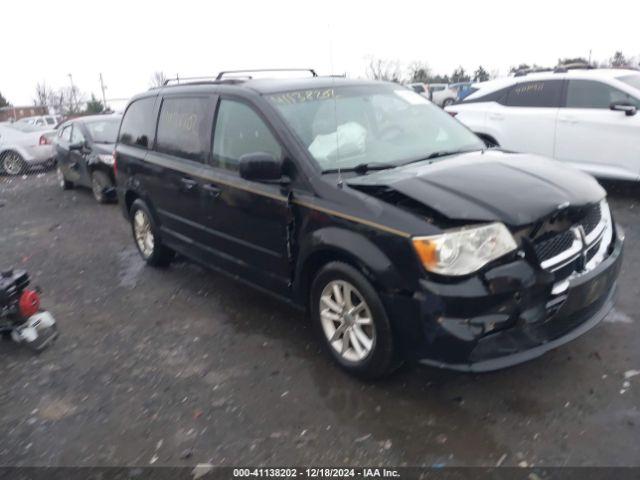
column 516, row 189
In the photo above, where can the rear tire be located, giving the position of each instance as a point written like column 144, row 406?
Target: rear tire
column 12, row 163
column 62, row 181
column 146, row 236
column 352, row 323
column 99, row 182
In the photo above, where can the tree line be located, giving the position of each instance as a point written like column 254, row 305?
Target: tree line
column 70, row 101
column 420, row 72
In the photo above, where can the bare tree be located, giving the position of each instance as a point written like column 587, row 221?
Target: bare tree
column 158, row 79
column 380, row 69
column 55, row 100
column 42, row 95
column 67, row 100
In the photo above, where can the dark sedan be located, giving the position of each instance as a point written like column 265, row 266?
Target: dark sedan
column 84, row 151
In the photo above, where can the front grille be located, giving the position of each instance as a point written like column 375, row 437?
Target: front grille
column 553, row 245
column 567, row 270
column 557, row 250
column 591, row 218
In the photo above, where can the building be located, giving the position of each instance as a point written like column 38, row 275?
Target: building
column 16, row 113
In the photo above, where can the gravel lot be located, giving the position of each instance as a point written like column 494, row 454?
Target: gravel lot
column 184, row 366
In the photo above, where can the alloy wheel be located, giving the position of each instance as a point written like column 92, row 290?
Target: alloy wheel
column 143, row 233
column 12, row 163
column 346, row 320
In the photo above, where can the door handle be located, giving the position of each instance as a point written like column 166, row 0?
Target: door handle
column 496, row 116
column 188, row 183
column 212, row 190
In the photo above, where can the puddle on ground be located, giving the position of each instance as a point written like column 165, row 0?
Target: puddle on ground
column 131, row 266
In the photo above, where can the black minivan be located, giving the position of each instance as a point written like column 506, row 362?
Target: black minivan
column 402, row 235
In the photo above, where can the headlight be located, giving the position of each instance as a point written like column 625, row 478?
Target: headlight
column 106, row 158
column 464, row 251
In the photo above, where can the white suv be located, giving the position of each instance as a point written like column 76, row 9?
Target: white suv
column 586, row 118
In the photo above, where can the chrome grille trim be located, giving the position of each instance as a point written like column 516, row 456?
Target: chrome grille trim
column 565, row 257
column 602, row 233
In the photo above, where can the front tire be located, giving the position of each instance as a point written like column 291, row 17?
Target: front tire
column 352, row 322
column 145, row 234
column 99, row 182
column 13, row 164
column 447, row 102
column 62, row 181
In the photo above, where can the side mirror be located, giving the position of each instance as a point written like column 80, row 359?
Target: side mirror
column 628, row 109
column 260, row 167
column 76, row 146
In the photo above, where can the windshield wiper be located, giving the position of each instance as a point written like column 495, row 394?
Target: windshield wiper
column 363, row 167
column 439, row 154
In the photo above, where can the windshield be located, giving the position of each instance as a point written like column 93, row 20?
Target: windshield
column 632, row 80
column 344, row 127
column 104, row 131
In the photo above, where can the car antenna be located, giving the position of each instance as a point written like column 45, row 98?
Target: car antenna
column 335, row 108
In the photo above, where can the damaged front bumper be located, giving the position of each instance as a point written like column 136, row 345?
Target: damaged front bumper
column 507, row 315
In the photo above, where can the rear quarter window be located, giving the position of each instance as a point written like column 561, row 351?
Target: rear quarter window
column 498, row 96
column 184, row 127
column 138, row 123
column 541, row 94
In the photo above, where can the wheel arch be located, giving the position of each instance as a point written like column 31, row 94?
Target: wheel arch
column 131, row 196
column 328, row 244
column 15, row 149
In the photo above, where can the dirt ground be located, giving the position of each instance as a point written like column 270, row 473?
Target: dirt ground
column 184, row 366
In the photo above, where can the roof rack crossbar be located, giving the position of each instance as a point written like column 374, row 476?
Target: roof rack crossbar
column 557, row 69
column 177, row 79
column 233, row 72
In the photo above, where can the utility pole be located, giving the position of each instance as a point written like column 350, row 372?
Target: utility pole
column 73, row 93
column 103, row 88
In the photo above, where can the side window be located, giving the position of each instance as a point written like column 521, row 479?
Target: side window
column 543, row 93
column 66, row 133
column 239, row 130
column 184, row 127
column 594, row 94
column 138, row 124
column 76, row 135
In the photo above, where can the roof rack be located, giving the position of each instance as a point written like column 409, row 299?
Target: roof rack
column 527, row 71
column 558, row 69
column 233, row 72
column 573, row 66
column 203, row 79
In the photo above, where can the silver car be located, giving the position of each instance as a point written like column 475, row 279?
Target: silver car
column 42, row 121
column 24, row 146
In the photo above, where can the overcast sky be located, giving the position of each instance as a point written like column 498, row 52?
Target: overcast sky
column 127, row 41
